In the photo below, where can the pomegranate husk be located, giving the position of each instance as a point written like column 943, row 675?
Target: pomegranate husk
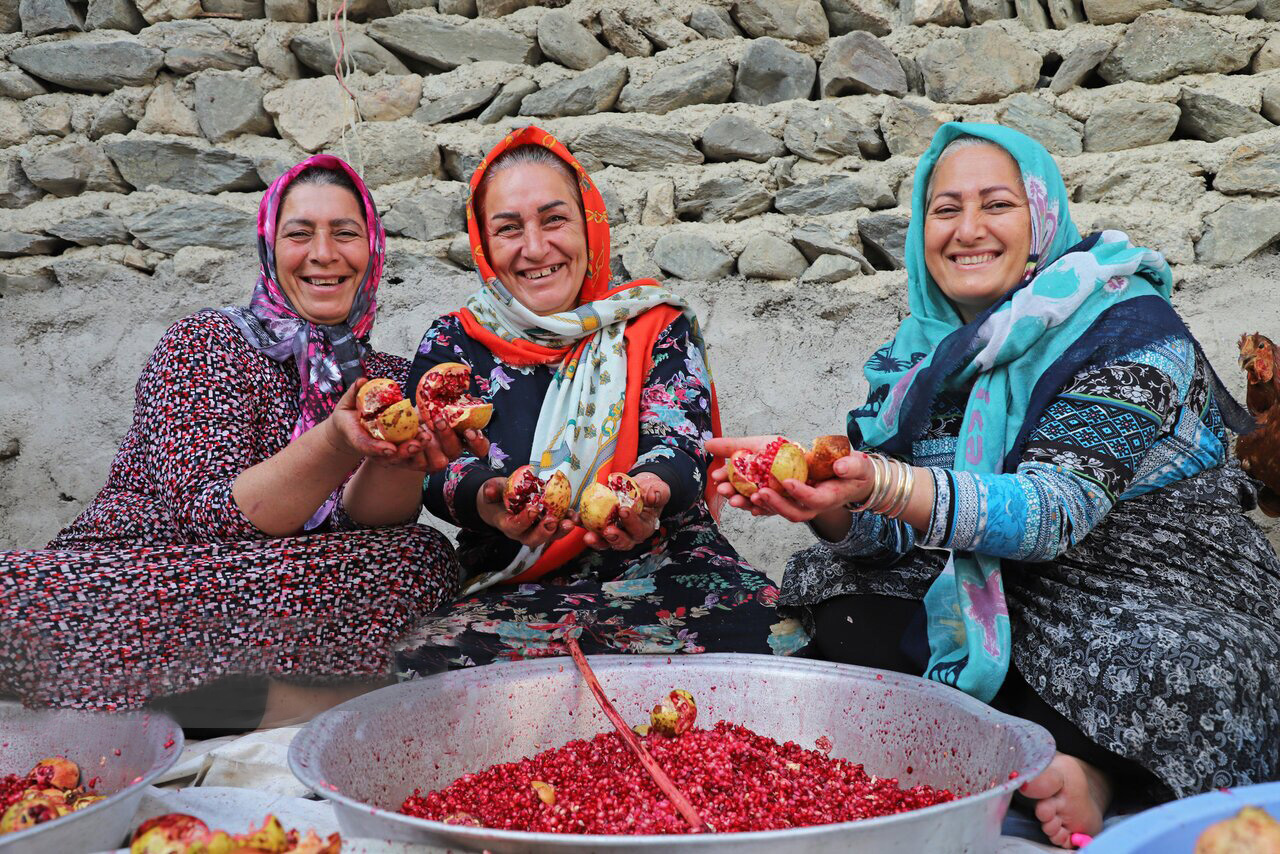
column 781, row 460
column 442, row 394
column 660, row 778
column 384, row 412
column 601, row 502
column 524, row 488
column 821, row 460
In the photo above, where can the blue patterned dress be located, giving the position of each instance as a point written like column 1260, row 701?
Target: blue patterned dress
column 684, row 591
column 1145, row 606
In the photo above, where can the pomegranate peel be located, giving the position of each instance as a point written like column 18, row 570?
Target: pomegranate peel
column 602, row 503
column 674, row 715
column 780, row 460
column 822, row 458
column 524, row 489
column 384, row 412
column 442, row 395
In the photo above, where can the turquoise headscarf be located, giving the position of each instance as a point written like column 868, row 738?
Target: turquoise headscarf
column 1076, row 299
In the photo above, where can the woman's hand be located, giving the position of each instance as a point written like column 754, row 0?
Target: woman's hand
column 634, row 528
column 528, row 527
column 797, row 502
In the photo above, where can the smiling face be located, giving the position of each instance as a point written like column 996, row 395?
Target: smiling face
column 322, row 251
column 534, row 235
column 977, row 228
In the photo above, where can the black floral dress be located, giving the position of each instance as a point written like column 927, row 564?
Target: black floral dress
column 1144, row 606
column 684, row 591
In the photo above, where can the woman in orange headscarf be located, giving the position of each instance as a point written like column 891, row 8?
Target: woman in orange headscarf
column 585, row 379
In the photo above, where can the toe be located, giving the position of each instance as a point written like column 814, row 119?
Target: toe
column 1048, row 809
column 1048, row 783
column 1052, row 827
column 1062, row 838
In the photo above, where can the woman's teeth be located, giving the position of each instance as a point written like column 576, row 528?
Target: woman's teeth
column 543, row 273
column 969, row 260
column 319, row 282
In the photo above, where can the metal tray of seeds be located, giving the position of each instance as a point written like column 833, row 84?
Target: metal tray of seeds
column 369, row 753
column 125, row 751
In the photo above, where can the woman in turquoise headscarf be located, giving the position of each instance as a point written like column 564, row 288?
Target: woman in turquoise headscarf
column 1042, row 511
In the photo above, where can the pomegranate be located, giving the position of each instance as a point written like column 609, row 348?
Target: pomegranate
column 442, row 394
column 601, row 502
column 674, row 715
column 178, row 833
column 781, row 459
column 384, row 412
column 525, row 489
column 58, row 772
column 826, row 450
column 172, row 833
column 34, row 809
column 49, row 790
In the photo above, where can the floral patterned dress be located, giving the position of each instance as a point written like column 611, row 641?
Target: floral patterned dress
column 684, row 591
column 162, row 585
column 1145, row 606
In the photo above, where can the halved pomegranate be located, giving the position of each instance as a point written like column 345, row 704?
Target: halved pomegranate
column 384, row 412
column 601, row 502
column 442, row 394
column 821, row 460
column 781, row 459
column 525, row 489
column 31, row 810
column 674, row 715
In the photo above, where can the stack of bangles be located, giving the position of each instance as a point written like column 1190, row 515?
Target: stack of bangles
column 891, row 489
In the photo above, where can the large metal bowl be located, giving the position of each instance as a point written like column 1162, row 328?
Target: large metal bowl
column 369, row 753
column 125, row 751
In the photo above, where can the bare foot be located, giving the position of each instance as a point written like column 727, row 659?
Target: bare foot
column 1071, row 796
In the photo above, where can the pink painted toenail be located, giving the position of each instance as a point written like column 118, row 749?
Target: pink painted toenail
column 1080, row 840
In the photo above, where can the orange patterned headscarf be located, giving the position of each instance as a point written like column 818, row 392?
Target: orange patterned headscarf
column 641, row 333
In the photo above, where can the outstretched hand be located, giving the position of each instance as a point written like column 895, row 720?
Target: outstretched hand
column 796, row 501
column 634, row 528
column 530, row 527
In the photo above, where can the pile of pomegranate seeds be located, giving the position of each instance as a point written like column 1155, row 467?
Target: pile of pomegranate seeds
column 737, row 780
column 12, row 788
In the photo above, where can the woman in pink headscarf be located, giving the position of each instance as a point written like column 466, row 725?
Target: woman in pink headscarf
column 246, row 547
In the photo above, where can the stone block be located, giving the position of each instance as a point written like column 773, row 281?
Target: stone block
column 114, row 15
column 432, row 212
column 1211, row 117
column 659, row 204
column 1065, row 13
column 446, row 44
column 981, row 11
column 1271, row 101
column 1126, row 123
column 462, row 104
column 711, row 22
column 193, row 222
column 463, row 8
column 768, row 257
column 1040, row 120
column 636, row 148
column 27, row 275
column 664, row 31
column 978, row 66
column 1119, row 11
column 814, row 241
column 290, row 11
column 314, row 50
column 119, row 112
column 1238, row 230
column 14, row 129
column 833, row 194
column 829, row 269
column 508, row 100
column 1267, row 10
column 228, row 105
column 733, row 137
column 1217, row 7
column 769, row 72
column 1159, row 46
column 798, row 20
column 824, row 132
column 182, row 165
column 1078, row 64
column 165, row 113
column 100, row 228
column 1251, row 168
column 48, row 115
column 384, row 97
column 356, row 10
column 595, row 90
column 725, row 199
column 461, row 161
column 304, row 111
column 908, row 128
column 944, row 13
column 10, row 17
column 398, row 151
column 859, row 63
column 18, row 85
column 847, row 16
column 563, row 38
column 90, row 65
column 71, row 168
column 157, row 11
column 274, row 55
column 48, row 16
column 499, row 8
column 192, row 46
column 16, row 191
column 621, row 36
column 1268, row 58
column 691, row 257
column 244, row 10
column 1032, row 15
column 706, row 80
column 459, row 252
column 15, row 243
column 884, row 240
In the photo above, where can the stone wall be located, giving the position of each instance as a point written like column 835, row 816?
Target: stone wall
column 760, row 150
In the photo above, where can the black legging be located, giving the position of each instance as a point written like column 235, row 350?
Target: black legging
column 889, row 633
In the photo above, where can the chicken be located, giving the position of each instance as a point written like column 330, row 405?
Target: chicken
column 1259, row 450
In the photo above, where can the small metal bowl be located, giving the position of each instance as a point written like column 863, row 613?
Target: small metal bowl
column 368, row 754
column 125, row 751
